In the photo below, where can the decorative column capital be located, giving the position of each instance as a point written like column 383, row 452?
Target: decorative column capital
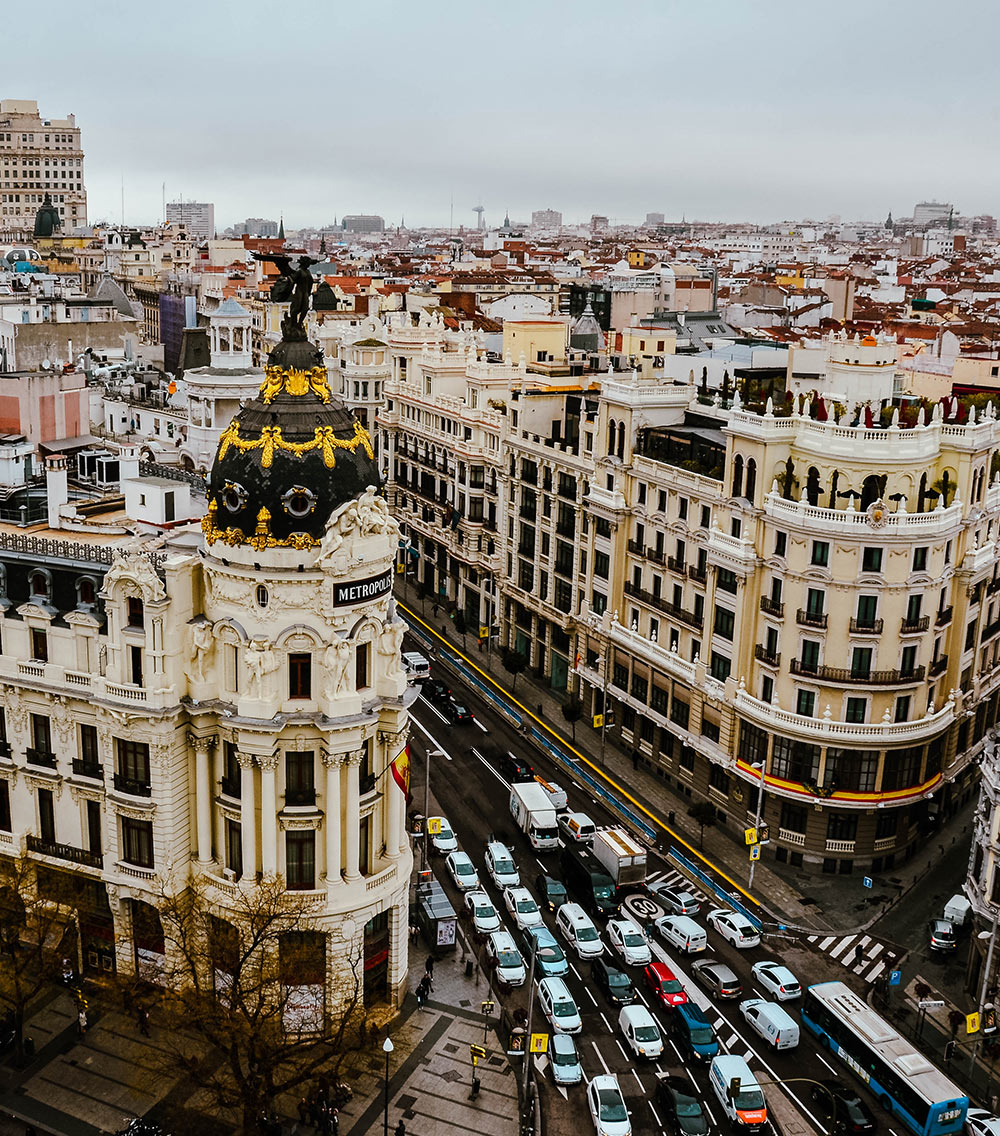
column 245, row 760
column 332, row 760
column 392, row 738
column 268, row 762
column 354, row 758
column 202, row 743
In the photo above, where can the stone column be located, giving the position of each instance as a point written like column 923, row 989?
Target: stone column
column 333, row 763
column 248, row 816
column 352, row 816
column 268, row 815
column 203, row 747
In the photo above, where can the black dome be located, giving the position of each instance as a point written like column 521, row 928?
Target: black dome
column 289, row 459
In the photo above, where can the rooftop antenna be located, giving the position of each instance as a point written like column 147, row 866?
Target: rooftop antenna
column 479, row 210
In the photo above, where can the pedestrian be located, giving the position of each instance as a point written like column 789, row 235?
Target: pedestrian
column 144, row 1021
column 859, row 954
column 335, row 1122
column 429, row 966
column 81, row 1022
column 314, row 1112
column 428, row 981
column 635, row 759
column 400, row 1129
column 303, row 1112
column 373, row 1031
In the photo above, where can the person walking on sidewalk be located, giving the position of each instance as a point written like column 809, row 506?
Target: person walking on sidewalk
column 400, row 1129
column 143, row 1021
column 859, row 954
column 81, row 1023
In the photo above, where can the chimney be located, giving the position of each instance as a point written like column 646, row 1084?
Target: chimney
column 128, row 462
column 56, row 487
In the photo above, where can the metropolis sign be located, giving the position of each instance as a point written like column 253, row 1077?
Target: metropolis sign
column 361, row 591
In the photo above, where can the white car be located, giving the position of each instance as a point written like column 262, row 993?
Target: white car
column 628, row 942
column 980, row 1122
column 735, row 928
column 500, row 865
column 484, row 916
column 607, row 1106
column 444, row 839
column 503, row 954
column 641, row 1031
column 777, row 980
column 523, row 909
column 462, row 871
column 416, row 666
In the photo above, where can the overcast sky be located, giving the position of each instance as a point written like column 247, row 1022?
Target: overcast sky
column 759, row 110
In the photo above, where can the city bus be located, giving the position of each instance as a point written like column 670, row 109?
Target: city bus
column 905, row 1082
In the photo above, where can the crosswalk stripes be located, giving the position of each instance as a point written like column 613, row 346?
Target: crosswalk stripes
column 863, row 955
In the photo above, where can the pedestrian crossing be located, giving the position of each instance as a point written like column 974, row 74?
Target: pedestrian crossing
column 864, row 955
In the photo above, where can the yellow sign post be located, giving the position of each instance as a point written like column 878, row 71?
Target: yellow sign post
column 755, row 852
column 972, row 1023
column 434, row 826
column 484, row 632
column 598, row 721
column 750, row 835
column 539, row 1043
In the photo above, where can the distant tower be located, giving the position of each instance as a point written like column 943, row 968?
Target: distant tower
column 888, row 221
column 479, row 210
column 281, row 229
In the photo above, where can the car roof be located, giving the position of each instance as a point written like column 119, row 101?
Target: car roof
column 661, row 970
column 774, row 967
column 518, row 890
column 540, row 931
column 556, row 987
column 458, row 856
column 625, row 923
column 723, row 970
column 496, row 846
column 606, row 1081
column 563, row 1041
column 573, row 911
column 636, row 1010
column 692, row 1010
column 502, row 938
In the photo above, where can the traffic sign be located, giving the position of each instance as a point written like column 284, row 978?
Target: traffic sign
column 488, row 1006
column 989, row 1020
column 750, row 835
column 539, row 1043
column 868, row 882
column 972, row 1023
column 434, row 826
column 895, row 977
column 477, row 1051
column 931, row 1004
column 484, row 632
column 764, row 834
column 400, row 569
column 755, row 852
column 598, row 721
column 643, row 907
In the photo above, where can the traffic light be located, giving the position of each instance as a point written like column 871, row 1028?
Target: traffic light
column 949, row 1049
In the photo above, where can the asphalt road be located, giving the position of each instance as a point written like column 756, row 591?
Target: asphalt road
column 474, row 797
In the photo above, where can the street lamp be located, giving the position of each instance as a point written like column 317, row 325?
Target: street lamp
column 760, row 809
column 427, row 800
column 983, row 986
column 387, row 1048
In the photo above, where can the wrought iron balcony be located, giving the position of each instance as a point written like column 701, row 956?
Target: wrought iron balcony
column 133, row 786
column 909, row 626
column 300, row 796
column 938, row 666
column 231, row 787
column 675, row 564
column 866, row 626
column 772, row 607
column 810, row 618
column 943, row 617
column 84, row 768
column 65, row 852
column 762, row 653
column 41, row 757
column 850, row 676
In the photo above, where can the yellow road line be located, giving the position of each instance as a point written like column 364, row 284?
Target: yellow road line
column 582, row 757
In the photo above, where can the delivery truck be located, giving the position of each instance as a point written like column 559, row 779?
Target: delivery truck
column 534, row 815
column 621, row 855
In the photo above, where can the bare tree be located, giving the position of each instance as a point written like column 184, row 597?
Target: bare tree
column 238, row 1027
column 32, row 923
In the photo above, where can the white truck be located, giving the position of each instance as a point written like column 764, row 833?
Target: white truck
column 621, row 856
column 534, row 815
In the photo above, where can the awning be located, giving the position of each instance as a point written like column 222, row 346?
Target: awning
column 62, row 444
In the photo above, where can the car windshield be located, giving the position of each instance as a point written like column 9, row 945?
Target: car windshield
column 633, row 940
column 510, row 959
column 943, row 931
column 670, row 986
column 702, row 1035
column 748, row 1099
column 586, row 934
column 445, row 834
column 548, row 953
column 465, row 869
column 604, row 891
column 617, row 978
column 647, row 1033
column 564, row 1057
column 564, row 1009
column 526, row 905
column 611, row 1105
column 686, row 1106
column 554, row 890
column 459, row 708
column 503, row 867
column 485, row 910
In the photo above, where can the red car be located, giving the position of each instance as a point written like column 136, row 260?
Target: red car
column 665, row 985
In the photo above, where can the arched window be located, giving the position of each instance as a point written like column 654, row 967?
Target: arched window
column 86, row 592
column 40, row 585
column 812, row 485
column 870, row 490
column 611, row 437
column 738, row 475
column 922, row 494
column 621, row 440
column 751, row 484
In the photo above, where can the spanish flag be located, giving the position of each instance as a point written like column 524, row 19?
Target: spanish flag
column 401, row 771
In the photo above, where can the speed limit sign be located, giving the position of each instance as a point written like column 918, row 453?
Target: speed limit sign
column 643, row 907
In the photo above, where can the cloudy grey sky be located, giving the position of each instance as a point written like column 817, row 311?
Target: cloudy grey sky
column 715, row 109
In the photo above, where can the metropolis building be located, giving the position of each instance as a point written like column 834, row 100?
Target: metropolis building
column 221, row 705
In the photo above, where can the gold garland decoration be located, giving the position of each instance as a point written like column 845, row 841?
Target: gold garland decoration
column 295, row 382
column 270, row 440
column 262, row 537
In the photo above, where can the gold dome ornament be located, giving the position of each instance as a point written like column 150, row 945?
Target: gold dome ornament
column 295, row 382
column 262, row 536
column 324, row 439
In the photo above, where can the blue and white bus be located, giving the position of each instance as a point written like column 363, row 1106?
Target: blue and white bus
column 902, row 1078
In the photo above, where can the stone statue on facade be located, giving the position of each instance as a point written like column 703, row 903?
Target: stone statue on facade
column 261, row 663
column 390, row 642
column 337, row 660
column 202, row 644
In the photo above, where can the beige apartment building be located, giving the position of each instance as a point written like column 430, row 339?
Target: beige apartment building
column 39, row 156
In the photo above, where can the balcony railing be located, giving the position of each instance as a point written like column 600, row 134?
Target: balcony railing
column 847, row 675
column 65, row 852
column 791, row 837
column 675, row 564
column 810, row 618
column 938, row 666
column 637, row 547
column 943, row 617
column 910, row 626
column 698, row 574
column 772, row 607
column 133, row 786
column 689, row 617
column 840, row 845
column 762, row 653
column 866, row 626
column 83, row 768
column 655, row 554
column 41, row 757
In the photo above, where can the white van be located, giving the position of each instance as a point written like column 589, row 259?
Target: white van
column 417, row 668
column 558, row 1006
column 738, row 1092
column 555, row 793
column 578, row 929
column 958, row 911
column 774, row 1024
column 576, row 828
column 682, row 933
column 641, row 1031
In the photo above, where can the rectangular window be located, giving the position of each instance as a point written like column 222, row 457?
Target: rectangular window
column 134, row 612
column 41, row 734
column 39, row 645
column 886, row 823
column 718, row 778
column 851, row 770
column 903, row 708
column 602, row 564
column 682, row 508
column 725, row 620
column 867, row 608
column 137, row 842
column 753, row 744
column 686, row 759
column 5, row 825
column 842, row 826
column 871, row 559
column 95, row 843
column 780, row 543
column 721, row 667
column 809, row 660
column 234, row 847
column 908, row 661
column 902, row 768
column 767, row 689
column 920, row 559
column 680, row 712
column 46, row 816
column 726, row 580
column 133, row 762
column 913, row 606
column 300, row 675
column 861, row 662
column 794, row 760
column 300, row 785
column 857, row 709
column 794, row 818
column 89, row 755
column 820, row 553
column 706, row 517
column 815, row 601
column 300, row 860
column 805, row 703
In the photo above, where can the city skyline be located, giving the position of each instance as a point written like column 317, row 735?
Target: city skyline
column 773, row 120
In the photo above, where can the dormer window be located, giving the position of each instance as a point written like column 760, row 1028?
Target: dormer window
column 40, row 586
column 86, row 593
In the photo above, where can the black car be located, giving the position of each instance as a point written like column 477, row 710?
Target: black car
column 436, row 691
column 514, row 770
column 613, row 984
column 852, row 1114
column 456, row 712
column 551, row 893
column 682, row 1111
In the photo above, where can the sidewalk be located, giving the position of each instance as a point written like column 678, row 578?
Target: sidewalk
column 813, row 900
